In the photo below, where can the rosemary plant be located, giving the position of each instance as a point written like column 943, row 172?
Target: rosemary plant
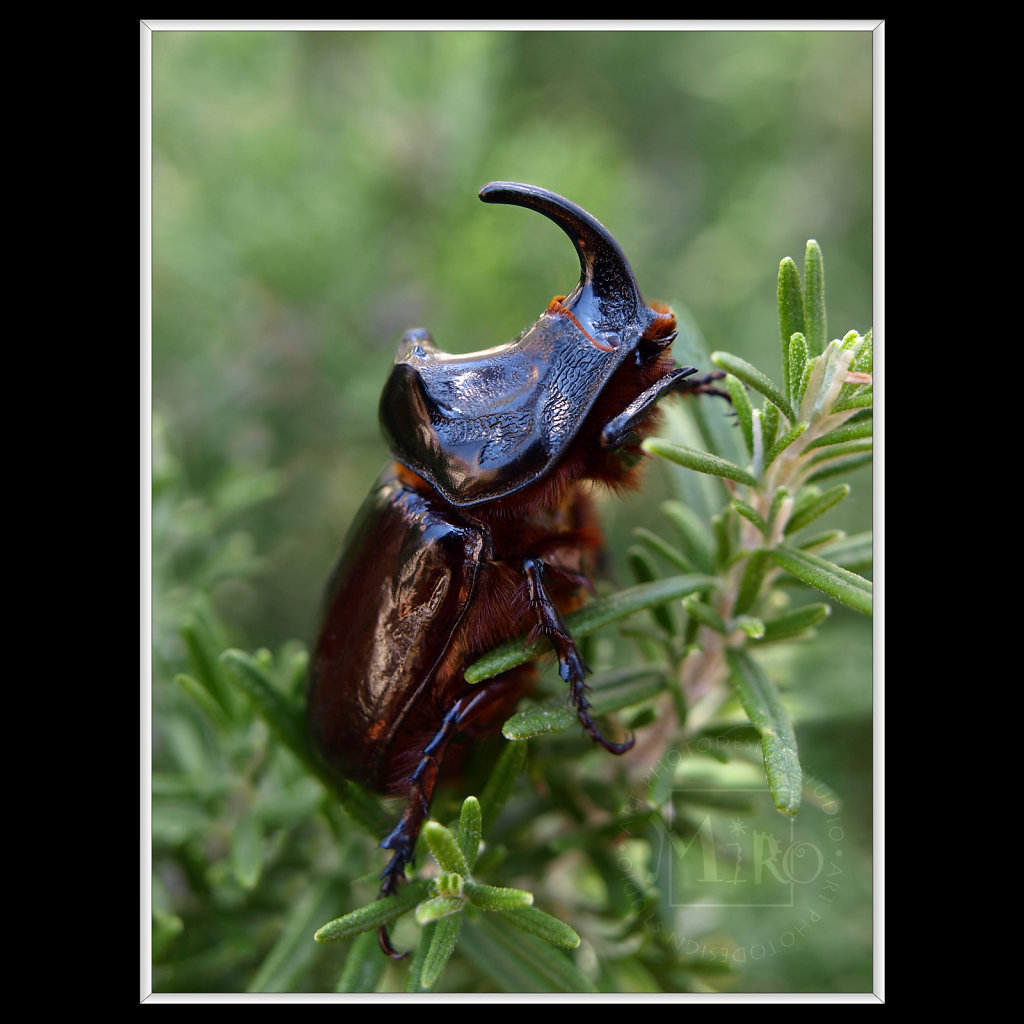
column 726, row 601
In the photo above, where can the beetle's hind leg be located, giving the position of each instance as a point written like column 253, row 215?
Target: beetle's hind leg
column 401, row 841
column 571, row 666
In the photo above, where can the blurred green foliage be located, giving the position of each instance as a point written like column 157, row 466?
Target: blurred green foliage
column 314, row 197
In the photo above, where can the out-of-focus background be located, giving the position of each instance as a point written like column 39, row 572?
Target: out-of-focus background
column 314, row 196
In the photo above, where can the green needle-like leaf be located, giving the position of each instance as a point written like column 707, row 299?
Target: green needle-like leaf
column 538, row 721
column 363, row 966
column 749, row 625
column 853, row 431
column 725, row 537
column 779, row 500
column 501, row 782
column 853, row 553
column 862, row 361
column 841, row 451
column 254, row 681
column 202, row 696
column 204, row 653
column 764, row 708
column 495, row 897
column 599, row 614
column 518, row 961
column 660, row 546
column 412, row 981
column 543, row 925
column 852, row 339
column 588, row 619
column 752, row 376
column 644, row 571
column 743, row 409
column 784, row 442
column 621, row 687
column 798, row 358
column 292, row 954
column 248, row 848
column 442, row 945
column 769, row 425
column 704, row 614
column 269, row 703
column 795, row 622
column 820, row 540
column 838, row 583
column 702, row 462
column 791, row 310
column 437, row 907
column 445, row 848
column 812, row 505
column 751, row 514
column 810, row 378
column 860, row 397
column 373, row 915
column 470, row 829
column 750, row 583
column 694, row 532
column 840, row 466
column 815, row 326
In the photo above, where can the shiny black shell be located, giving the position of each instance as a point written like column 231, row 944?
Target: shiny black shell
column 482, row 426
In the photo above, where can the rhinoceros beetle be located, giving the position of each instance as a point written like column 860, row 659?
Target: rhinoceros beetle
column 482, row 528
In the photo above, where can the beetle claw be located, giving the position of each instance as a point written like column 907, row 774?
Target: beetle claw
column 615, row 748
column 705, row 386
column 391, row 877
column 595, row 735
column 579, row 699
column 385, row 944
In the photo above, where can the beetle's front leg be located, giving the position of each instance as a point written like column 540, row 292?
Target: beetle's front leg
column 620, row 429
column 571, row 666
column 705, row 386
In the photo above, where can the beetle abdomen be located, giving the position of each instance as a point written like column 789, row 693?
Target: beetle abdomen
column 419, row 592
column 393, row 605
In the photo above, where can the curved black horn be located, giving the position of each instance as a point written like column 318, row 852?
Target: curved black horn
column 607, row 298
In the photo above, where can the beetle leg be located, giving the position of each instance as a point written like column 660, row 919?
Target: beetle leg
column 402, row 838
column 571, row 666
column 703, row 386
column 617, row 431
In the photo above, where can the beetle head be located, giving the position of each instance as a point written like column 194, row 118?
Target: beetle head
column 484, row 425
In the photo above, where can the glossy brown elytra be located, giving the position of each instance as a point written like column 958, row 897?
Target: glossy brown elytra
column 482, row 528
